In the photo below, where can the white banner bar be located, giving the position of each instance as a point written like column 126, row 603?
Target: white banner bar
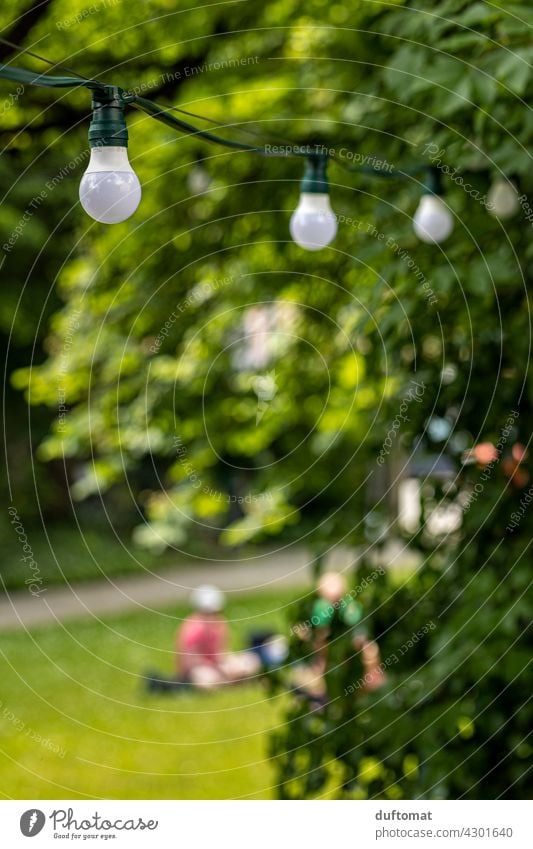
column 267, row 825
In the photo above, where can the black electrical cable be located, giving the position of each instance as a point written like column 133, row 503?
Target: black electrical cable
column 42, row 58
column 283, row 148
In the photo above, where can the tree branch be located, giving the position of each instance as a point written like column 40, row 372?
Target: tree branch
column 22, row 27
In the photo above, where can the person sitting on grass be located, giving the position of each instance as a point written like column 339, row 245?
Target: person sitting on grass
column 202, row 645
column 203, row 657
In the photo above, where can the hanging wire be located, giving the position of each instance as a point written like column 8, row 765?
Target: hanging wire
column 42, row 58
column 163, row 114
column 244, row 130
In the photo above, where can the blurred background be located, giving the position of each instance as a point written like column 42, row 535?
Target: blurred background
column 190, row 396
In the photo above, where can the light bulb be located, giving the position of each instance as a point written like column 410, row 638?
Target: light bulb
column 313, row 223
column 110, row 191
column 502, row 199
column 433, row 221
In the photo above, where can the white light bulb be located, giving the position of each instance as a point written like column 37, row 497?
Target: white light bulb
column 110, row 190
column 433, row 221
column 502, row 199
column 313, row 223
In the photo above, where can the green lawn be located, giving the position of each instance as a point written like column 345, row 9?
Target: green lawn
column 78, row 687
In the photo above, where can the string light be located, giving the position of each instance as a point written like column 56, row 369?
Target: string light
column 502, row 199
column 110, row 191
column 313, row 223
column 433, row 221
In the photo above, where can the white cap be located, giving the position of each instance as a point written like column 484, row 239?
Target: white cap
column 207, row 599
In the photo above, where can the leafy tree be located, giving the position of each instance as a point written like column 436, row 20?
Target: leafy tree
column 169, row 310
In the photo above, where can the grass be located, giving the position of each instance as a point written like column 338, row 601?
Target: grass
column 76, row 723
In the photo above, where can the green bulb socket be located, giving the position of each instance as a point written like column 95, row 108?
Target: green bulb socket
column 433, row 182
column 108, row 125
column 315, row 181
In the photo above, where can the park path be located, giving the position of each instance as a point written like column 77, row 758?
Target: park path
column 148, row 590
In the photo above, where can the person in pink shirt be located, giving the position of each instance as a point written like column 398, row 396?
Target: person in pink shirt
column 202, row 644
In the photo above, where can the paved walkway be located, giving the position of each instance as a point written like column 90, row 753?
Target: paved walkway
column 263, row 573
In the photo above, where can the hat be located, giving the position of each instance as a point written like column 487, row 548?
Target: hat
column 207, row 599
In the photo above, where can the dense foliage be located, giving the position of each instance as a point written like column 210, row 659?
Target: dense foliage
column 228, row 385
